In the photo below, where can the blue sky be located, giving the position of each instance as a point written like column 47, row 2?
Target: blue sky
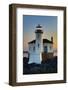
column 49, row 24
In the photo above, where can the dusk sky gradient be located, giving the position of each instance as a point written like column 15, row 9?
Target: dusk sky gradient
column 49, row 25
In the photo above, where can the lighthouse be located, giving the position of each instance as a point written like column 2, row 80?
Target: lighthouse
column 39, row 40
column 36, row 46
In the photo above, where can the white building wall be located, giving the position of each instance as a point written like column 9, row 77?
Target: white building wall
column 35, row 58
column 39, row 51
column 31, row 46
column 40, row 42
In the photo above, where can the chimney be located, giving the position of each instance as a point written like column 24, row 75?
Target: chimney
column 52, row 39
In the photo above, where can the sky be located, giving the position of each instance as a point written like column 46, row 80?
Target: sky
column 48, row 23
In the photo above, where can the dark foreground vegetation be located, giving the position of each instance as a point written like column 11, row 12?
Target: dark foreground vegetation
column 49, row 66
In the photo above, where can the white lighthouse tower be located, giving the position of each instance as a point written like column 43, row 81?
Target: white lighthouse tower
column 36, row 55
column 39, row 40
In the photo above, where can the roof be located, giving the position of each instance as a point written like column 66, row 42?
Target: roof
column 44, row 41
column 33, row 41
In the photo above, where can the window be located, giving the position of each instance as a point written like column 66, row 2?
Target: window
column 34, row 48
column 45, row 49
column 38, row 45
column 50, row 47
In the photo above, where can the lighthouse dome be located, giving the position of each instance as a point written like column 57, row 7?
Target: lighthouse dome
column 39, row 29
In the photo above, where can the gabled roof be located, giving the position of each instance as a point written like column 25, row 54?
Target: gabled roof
column 44, row 41
column 47, row 41
column 33, row 41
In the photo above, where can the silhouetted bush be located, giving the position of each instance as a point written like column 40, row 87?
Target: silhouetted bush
column 25, row 60
column 50, row 66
